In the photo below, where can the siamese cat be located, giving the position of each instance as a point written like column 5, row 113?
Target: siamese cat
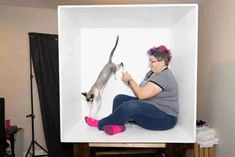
column 94, row 96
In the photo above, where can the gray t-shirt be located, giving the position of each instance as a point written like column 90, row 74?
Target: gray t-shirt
column 167, row 99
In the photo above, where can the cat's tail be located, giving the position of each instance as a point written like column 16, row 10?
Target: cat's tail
column 112, row 52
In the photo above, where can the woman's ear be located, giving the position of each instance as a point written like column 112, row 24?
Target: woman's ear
column 84, row 93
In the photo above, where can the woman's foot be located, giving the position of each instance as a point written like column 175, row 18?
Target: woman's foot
column 113, row 129
column 91, row 121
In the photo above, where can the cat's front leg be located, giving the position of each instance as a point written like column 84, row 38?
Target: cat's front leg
column 117, row 68
column 95, row 107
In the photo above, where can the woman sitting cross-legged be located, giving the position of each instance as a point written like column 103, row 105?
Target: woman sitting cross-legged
column 155, row 106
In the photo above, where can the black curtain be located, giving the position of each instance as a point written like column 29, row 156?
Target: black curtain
column 44, row 55
column 2, row 128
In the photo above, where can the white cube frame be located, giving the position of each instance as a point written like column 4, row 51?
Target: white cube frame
column 86, row 36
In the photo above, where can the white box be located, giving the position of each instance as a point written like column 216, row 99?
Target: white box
column 86, row 36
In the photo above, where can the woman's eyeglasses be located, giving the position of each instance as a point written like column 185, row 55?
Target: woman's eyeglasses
column 151, row 62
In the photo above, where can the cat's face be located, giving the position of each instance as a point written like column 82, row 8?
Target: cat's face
column 89, row 96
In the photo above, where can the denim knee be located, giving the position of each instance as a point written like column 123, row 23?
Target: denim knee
column 118, row 98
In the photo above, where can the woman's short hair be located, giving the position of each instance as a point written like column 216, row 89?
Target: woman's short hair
column 161, row 53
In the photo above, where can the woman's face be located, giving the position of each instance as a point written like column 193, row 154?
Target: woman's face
column 154, row 64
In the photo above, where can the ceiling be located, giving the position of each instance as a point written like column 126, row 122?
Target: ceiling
column 52, row 4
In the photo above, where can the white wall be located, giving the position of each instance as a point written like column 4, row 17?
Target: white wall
column 15, row 23
column 216, row 79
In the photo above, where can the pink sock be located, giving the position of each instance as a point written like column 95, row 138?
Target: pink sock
column 113, row 129
column 91, row 121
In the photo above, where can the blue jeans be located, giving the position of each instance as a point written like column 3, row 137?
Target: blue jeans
column 146, row 115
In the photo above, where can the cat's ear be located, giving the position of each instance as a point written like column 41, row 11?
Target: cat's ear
column 84, row 93
column 92, row 97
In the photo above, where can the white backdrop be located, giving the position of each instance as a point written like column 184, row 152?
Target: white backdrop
column 131, row 50
column 87, row 34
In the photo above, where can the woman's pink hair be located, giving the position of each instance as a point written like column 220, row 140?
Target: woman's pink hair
column 161, row 51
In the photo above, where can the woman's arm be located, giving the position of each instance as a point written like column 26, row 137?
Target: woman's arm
column 145, row 92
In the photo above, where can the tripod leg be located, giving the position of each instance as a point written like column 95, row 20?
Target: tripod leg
column 29, row 149
column 40, row 146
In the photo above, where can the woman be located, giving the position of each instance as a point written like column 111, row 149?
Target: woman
column 155, row 106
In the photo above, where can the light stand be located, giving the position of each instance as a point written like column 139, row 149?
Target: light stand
column 32, row 116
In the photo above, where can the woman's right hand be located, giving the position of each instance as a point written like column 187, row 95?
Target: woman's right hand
column 126, row 77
